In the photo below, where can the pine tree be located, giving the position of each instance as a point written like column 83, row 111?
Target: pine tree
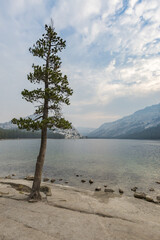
column 50, row 98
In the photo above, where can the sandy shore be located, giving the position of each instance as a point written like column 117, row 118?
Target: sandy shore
column 75, row 214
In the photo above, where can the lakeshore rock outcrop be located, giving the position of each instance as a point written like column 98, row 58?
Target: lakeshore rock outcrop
column 75, row 214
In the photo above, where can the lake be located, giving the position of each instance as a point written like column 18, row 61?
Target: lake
column 116, row 163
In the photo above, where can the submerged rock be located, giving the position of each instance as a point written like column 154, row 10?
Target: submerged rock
column 109, row 190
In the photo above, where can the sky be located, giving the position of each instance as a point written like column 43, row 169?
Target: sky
column 112, row 55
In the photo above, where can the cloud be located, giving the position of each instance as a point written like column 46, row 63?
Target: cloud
column 112, row 51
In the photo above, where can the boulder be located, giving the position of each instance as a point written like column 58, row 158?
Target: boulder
column 53, row 180
column 158, row 198
column 158, row 182
column 29, row 178
column 149, row 198
column 140, row 195
column 83, row 181
column 91, row 181
column 121, row 191
column 134, row 189
column 8, row 177
column 46, row 190
column 45, row 179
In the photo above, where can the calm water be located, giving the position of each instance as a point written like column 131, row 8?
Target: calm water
column 117, row 163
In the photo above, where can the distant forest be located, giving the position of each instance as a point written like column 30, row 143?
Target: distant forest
column 16, row 133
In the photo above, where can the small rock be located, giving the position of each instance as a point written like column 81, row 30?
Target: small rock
column 158, row 198
column 83, row 181
column 66, row 182
column 53, row 180
column 45, row 179
column 105, row 185
column 97, row 189
column 140, row 195
column 46, row 190
column 8, row 177
column 149, row 198
column 121, row 191
column 60, row 179
column 108, row 190
column 13, row 175
column 77, row 175
column 29, row 178
column 158, row 182
column 91, row 181
column 134, row 189
column 151, row 189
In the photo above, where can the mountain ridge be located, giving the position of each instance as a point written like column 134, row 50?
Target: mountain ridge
column 137, row 122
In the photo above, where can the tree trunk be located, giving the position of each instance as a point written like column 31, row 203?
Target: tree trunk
column 35, row 193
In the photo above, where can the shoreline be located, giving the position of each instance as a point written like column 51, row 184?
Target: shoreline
column 71, row 213
column 83, row 183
